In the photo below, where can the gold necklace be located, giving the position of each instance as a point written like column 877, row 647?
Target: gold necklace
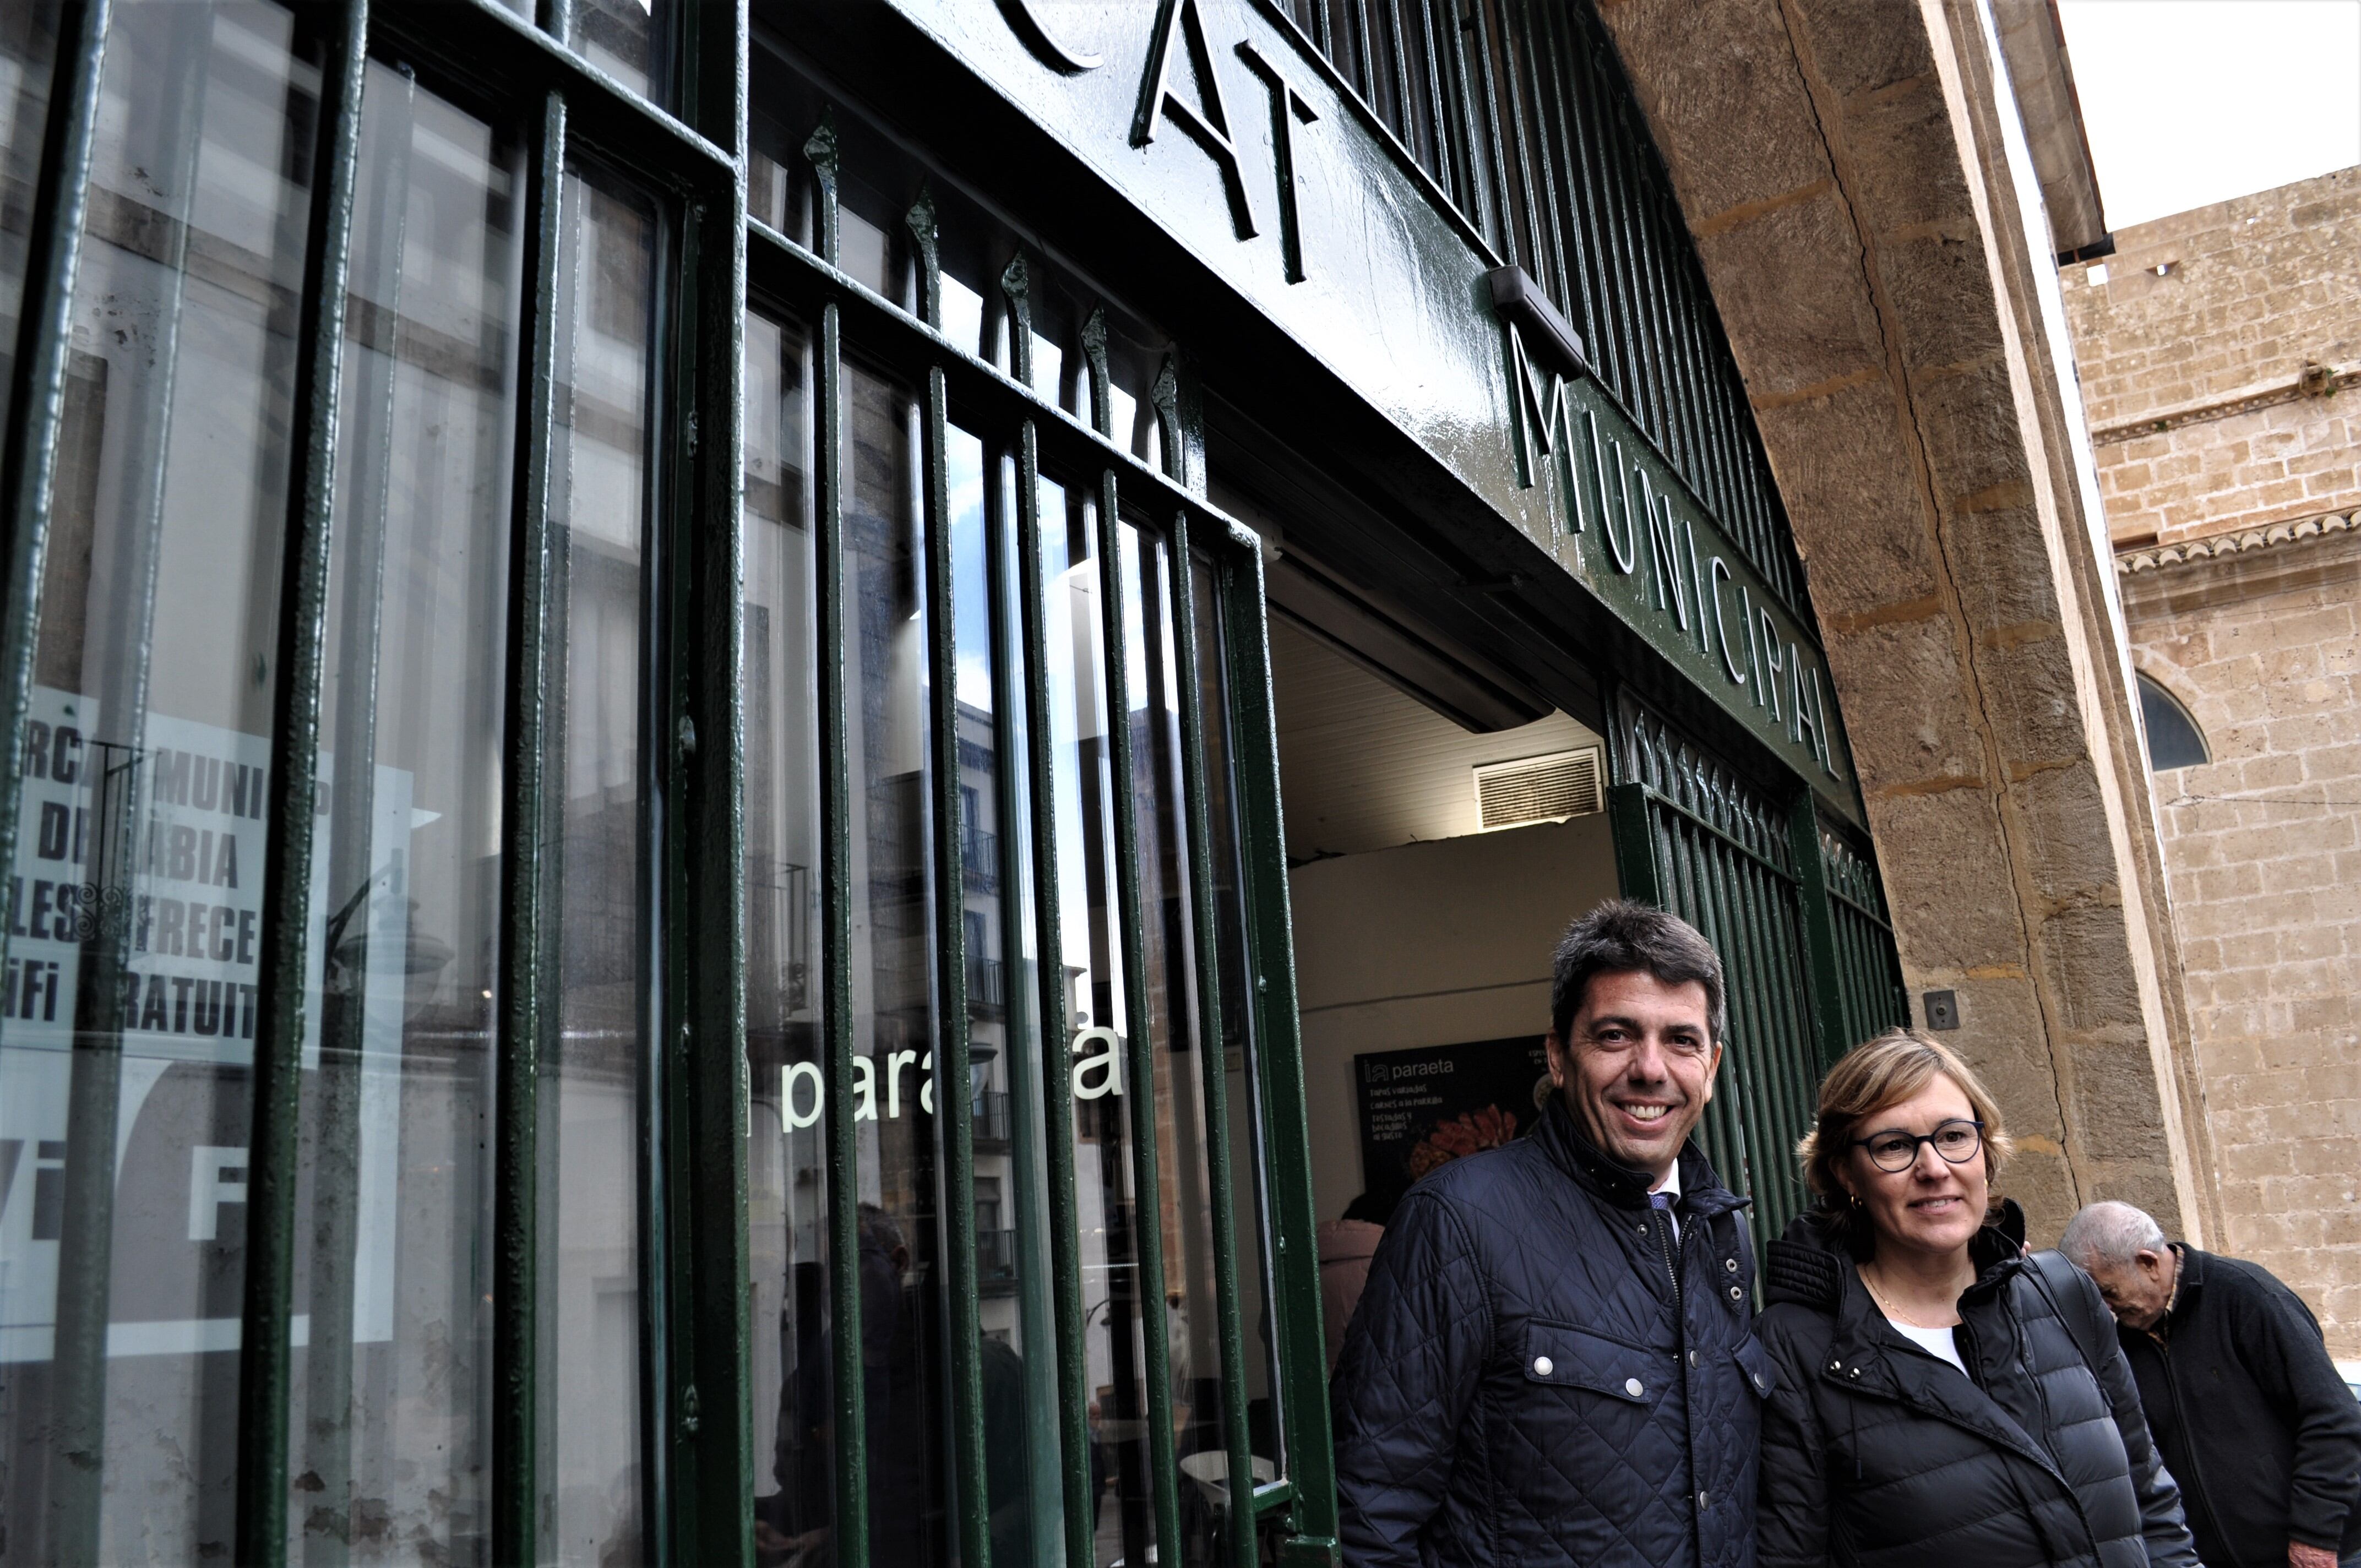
column 1891, row 1311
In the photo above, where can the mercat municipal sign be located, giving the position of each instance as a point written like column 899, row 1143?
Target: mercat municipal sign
column 1215, row 119
column 1645, row 544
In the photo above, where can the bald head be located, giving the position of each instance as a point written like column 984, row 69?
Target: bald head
column 2109, row 1233
column 2124, row 1250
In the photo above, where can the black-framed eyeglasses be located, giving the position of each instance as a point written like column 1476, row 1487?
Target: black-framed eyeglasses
column 1957, row 1141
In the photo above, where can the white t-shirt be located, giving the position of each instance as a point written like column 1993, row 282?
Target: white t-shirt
column 1938, row 1342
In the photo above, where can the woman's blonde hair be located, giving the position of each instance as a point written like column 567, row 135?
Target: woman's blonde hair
column 1874, row 1075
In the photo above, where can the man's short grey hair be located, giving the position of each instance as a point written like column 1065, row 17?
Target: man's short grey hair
column 1623, row 936
column 2113, row 1234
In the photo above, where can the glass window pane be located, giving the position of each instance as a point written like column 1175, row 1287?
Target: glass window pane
column 594, row 1072
column 126, row 1045
column 1018, row 1347
column 786, row 1049
column 29, row 45
column 1250, row 1198
column 389, row 1424
column 628, row 40
column 903, row 1328
column 1168, row 934
column 1096, row 1067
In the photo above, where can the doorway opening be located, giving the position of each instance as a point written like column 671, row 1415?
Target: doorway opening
column 1435, row 856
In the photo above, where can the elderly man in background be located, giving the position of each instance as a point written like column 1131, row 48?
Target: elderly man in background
column 2245, row 1403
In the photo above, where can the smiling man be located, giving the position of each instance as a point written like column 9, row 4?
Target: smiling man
column 1551, row 1362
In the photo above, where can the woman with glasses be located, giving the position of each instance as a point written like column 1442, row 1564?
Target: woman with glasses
column 1941, row 1398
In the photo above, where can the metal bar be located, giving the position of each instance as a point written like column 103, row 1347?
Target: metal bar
column 837, row 806
column 1510, row 105
column 29, row 454
column 1044, row 1434
column 1617, row 321
column 714, row 1417
column 1690, row 814
column 1798, row 1049
column 1475, row 199
column 1820, row 928
column 1636, row 868
column 1552, row 62
column 1398, row 56
column 1647, row 293
column 1058, row 1103
column 527, row 960
column 1148, row 1227
column 895, row 343
column 260, row 1532
column 125, row 667
column 1669, row 248
column 1210, row 1052
column 43, row 352
column 1365, row 59
column 508, row 57
column 954, row 1127
column 1798, row 1077
column 1271, row 960
column 327, row 1434
column 1477, row 26
column 658, row 864
column 1572, row 87
column 1744, row 888
column 1694, row 897
column 1546, row 191
column 1443, row 166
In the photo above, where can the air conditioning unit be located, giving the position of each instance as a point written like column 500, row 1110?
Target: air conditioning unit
column 1540, row 789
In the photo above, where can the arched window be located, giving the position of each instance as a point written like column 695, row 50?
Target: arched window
column 2173, row 739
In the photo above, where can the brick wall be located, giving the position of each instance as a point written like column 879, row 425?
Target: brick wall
column 2252, row 293
column 2263, row 843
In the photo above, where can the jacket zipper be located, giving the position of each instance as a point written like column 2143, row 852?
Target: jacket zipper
column 2193, row 1496
column 1660, row 1222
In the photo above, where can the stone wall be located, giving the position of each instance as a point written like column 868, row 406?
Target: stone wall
column 2230, row 327
column 1876, row 247
column 2263, row 646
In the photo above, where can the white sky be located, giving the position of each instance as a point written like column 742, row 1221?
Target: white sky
column 2191, row 101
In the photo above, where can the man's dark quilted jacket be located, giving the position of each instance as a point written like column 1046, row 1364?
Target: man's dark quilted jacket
column 1523, row 1384
column 1875, row 1454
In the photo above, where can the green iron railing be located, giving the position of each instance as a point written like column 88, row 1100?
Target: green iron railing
column 1694, row 837
column 1520, row 114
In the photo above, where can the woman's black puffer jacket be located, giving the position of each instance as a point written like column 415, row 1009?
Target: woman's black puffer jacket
column 1877, row 1454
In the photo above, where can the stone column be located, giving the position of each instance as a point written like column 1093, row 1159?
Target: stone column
column 1844, row 168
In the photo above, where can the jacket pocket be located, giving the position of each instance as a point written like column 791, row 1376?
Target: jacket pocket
column 1761, row 1372
column 1576, row 1358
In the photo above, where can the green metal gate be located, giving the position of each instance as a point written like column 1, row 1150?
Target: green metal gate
column 1796, row 914
column 577, row 621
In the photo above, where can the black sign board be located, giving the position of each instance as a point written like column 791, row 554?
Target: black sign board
column 1423, row 1107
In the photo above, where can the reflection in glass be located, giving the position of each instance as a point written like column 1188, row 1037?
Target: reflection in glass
column 126, row 1040
column 903, row 1329
column 392, row 1388
column 1168, row 933
column 785, row 1128
column 28, row 41
column 1249, row 1199
column 1018, row 1347
column 626, row 39
column 593, row 1074
column 1096, row 1065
